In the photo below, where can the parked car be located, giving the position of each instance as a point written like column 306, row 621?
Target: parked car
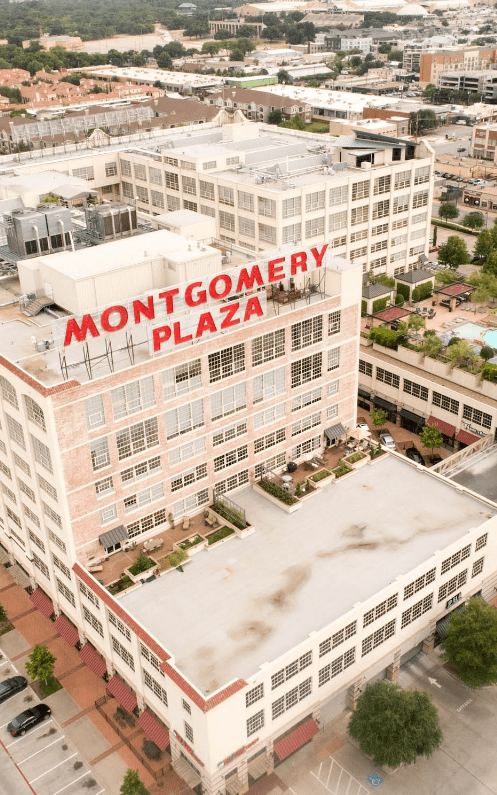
column 435, row 459
column 414, row 454
column 29, row 718
column 9, row 687
column 386, row 440
column 361, row 423
column 461, row 149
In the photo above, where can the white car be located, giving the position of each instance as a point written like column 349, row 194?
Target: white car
column 386, row 440
column 363, row 425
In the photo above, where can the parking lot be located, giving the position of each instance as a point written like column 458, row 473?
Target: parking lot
column 46, row 758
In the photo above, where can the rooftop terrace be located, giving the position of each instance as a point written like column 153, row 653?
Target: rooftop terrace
column 237, row 607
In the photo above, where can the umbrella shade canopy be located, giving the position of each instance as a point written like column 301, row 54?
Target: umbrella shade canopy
column 360, row 434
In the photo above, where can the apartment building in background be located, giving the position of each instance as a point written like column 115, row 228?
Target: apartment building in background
column 454, row 59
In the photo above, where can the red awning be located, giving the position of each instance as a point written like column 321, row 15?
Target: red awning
column 66, row 630
column 296, row 739
column 121, row 693
column 93, row 660
column 444, row 427
column 42, row 602
column 153, row 730
column 466, row 438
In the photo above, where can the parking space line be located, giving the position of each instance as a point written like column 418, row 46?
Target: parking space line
column 32, row 781
column 22, row 738
column 72, row 782
column 42, row 749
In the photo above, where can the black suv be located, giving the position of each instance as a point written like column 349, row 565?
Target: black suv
column 9, row 687
column 414, row 454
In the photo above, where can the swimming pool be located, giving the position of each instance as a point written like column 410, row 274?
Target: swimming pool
column 472, row 331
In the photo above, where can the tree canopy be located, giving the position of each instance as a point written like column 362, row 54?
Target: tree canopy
column 471, row 643
column 454, row 252
column 40, row 663
column 132, row 784
column 431, row 438
column 394, row 726
column 473, row 220
column 448, row 210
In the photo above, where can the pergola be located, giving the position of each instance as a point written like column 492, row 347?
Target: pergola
column 453, row 291
column 390, row 314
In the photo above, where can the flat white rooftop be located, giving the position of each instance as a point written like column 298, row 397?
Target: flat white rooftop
column 250, row 601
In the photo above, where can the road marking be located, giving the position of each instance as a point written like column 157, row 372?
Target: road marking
column 72, row 782
column 433, row 682
column 42, row 749
column 466, row 703
column 22, row 738
column 32, row 781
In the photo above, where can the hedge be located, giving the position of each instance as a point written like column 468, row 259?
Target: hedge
column 404, row 290
column 399, row 300
column 422, row 291
column 489, row 372
column 384, row 336
column 457, row 227
column 379, row 304
column 364, row 305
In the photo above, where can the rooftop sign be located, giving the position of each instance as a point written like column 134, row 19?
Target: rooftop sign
column 193, row 310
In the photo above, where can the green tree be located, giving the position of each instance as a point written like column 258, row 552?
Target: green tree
column 460, row 353
column 446, row 277
column 285, row 77
column 432, row 345
column 132, row 784
column 454, row 252
column 431, row 438
column 448, row 210
column 378, row 417
column 429, row 91
column 40, row 664
column 3, row 615
column 423, row 120
column 416, row 322
column 486, row 353
column 471, row 643
column 473, row 220
column 485, row 243
column 275, row 116
column 164, row 61
column 394, row 725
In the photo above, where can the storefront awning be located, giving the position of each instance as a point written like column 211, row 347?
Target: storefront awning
column 93, row 660
column 362, row 393
column 66, row 630
column 384, row 404
column 443, row 624
column 410, row 415
column 42, row 602
column 114, row 536
column 122, row 694
column 335, row 432
column 153, row 730
column 466, row 438
column 296, row 739
column 444, row 427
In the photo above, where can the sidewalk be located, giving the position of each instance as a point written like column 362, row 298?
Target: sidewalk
column 74, row 705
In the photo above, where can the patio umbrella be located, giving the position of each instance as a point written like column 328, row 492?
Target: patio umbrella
column 360, row 434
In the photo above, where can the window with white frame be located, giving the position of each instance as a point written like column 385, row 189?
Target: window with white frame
column 401, row 204
column 306, row 399
column 359, row 215
column 402, row 179
column 141, row 470
column 226, row 220
column 189, row 185
column 230, row 458
column 133, row 397
column 333, row 359
column 9, row 493
column 155, row 687
column 290, row 699
column 255, row 694
column 226, row 195
column 15, row 431
column 142, row 194
column 94, row 412
column 417, row 234
column 274, row 462
column 334, row 319
column 137, row 438
column 416, row 610
column 336, row 666
column 416, row 390
column 315, row 201
column 188, row 450
column 478, row 417
column 266, row 207
column 8, row 392
column 380, row 609
column 229, row 432
column 267, row 233
column 188, row 477
column 290, row 670
column 337, row 221
column 292, row 233
column 108, row 514
column 181, row 379
column 314, row 227
column 444, row 402
column 338, row 637
column 123, row 653
column 53, row 515
column 206, row 210
column 305, row 370
column 125, row 168
column 360, row 190
column 455, row 559
column 291, row 207
column 144, row 497
column 37, row 541
column 246, row 226
column 419, row 219
column 268, row 347
column 41, row 565
column 338, row 195
column 477, row 567
column 207, row 190
column 269, row 440
column 155, row 175
column 452, row 585
column 128, row 190
column 187, row 205
column 419, row 583
column 93, row 621
column 226, row 362
column 420, row 199
column 358, row 252
column 172, row 180
column 381, row 208
column 386, row 377
column 380, row 229
column 31, row 515
column 232, row 482
column 365, row 367
column 382, row 185
column 35, row 412
column 421, row 174
column 307, row 332
column 362, row 234
column 61, row 566
column 481, row 542
column 306, row 423
column 84, row 173
column 6, row 471
column 377, row 638
column 184, row 419
column 140, row 171
column 173, row 203
column 190, row 503
column 245, row 201
column 26, row 490
column 88, row 593
column 380, row 245
column 228, row 401
column 42, row 454
column 332, row 411
column 255, row 723
column 119, row 625
column 157, row 198
column 56, row 540
column 65, row 591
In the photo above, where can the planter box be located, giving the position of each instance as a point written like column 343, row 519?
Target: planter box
column 468, row 380
column 324, row 481
column 489, row 389
column 221, row 540
column 344, row 477
column 409, row 357
column 437, row 368
column 287, row 508
column 128, row 590
column 357, row 464
column 241, row 532
column 143, row 575
column 191, row 550
column 161, row 572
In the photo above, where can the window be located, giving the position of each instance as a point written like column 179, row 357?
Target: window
column 157, row 198
column 53, row 515
column 128, row 191
column 365, row 367
column 226, row 362
column 416, row 250
column 232, row 161
column 381, row 208
column 56, row 540
column 125, row 168
column 13, row 516
column 147, row 523
column 42, row 454
column 246, row 227
column 65, row 591
column 305, row 370
column 402, row 179
column 228, row 433
column 26, row 490
column 93, row 621
column 172, row 203
column 84, row 173
column 104, row 486
column 291, row 698
column 419, row 583
column 306, row 399
column 378, row 637
column 387, row 378
column 333, row 359
column 254, row 695
column 206, row 210
column 9, row 493
column 151, row 658
column 153, row 685
column 111, row 169
column 360, row 190
column 455, row 559
column 123, row 653
column 228, row 401
column 186, row 707
column 477, row 567
column 34, row 412
column 108, row 514
column 420, row 199
column 444, row 402
column 273, row 463
column 232, row 482
column 190, row 503
column 416, row 390
column 421, row 175
column 155, row 175
column 380, row 245
column 207, row 190
column 187, row 478
column 337, row 221
column 380, row 610
column 41, row 565
column 37, row 541
column 230, row 458
column 314, row 227
column 133, row 397
column 140, row 171
column 30, row 515
column 144, row 497
column 401, row 204
column 173, row 161
column 381, row 185
column 481, row 542
column 359, row 215
column 303, row 425
column 336, row 667
column 210, row 164
column 255, row 723
column 15, row 431
column 189, row 185
column 181, row 379
column 315, row 201
column 361, row 235
column 307, row 332
column 304, row 448
column 267, row 207
column 119, row 625
column 268, row 385
column 94, row 412
column 6, row 471
column 416, row 611
column 268, row 347
column 291, row 669
column 338, row 195
column 137, row 438
column 452, row 585
column 332, row 387
column 61, row 566
column 267, row 233
column 337, row 638
column 419, row 219
column 245, row 201
column 89, row 594
column 141, row 470
column 334, row 323
column 184, row 419
column 172, row 181
column 226, row 220
column 188, row 732
column 142, row 194
column 270, row 440
column 292, row 233
column 291, row 207
column 417, row 234
column 477, row 416
column 185, row 451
